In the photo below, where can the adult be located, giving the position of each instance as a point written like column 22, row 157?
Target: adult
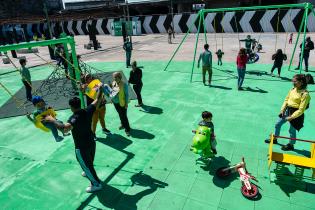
column 92, row 34
column 206, row 58
column 128, row 49
column 248, row 43
column 80, row 125
column 120, row 101
column 309, row 45
column 136, row 79
column 292, row 110
column 99, row 114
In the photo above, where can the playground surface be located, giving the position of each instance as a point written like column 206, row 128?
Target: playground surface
column 154, row 168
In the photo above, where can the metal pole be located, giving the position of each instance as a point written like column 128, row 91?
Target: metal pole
column 304, row 36
column 204, row 27
column 297, row 41
column 180, row 42
column 196, row 46
column 128, row 21
column 172, row 13
column 76, row 68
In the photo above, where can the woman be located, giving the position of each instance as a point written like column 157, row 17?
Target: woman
column 278, row 58
column 99, row 113
column 136, row 79
column 120, row 101
column 292, row 110
column 241, row 67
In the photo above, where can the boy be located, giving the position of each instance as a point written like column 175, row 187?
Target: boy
column 206, row 58
column 40, row 105
column 220, row 54
column 26, row 79
column 207, row 121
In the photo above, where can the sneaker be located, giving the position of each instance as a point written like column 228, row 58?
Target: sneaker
column 138, row 105
column 83, row 174
column 274, row 141
column 106, row 131
column 240, row 88
column 272, row 74
column 66, row 134
column 288, row 147
column 214, row 151
column 59, row 139
column 93, row 188
column 127, row 133
column 121, row 127
column 297, row 68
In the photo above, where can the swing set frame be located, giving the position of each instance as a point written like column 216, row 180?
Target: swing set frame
column 308, row 7
column 65, row 41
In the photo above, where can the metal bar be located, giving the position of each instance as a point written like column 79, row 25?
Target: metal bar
column 181, row 42
column 27, row 45
column 77, row 71
column 196, row 46
column 204, row 28
column 297, row 41
column 303, row 5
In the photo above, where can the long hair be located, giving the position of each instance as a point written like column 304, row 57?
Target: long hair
column 242, row 52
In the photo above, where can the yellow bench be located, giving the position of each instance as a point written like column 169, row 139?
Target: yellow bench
column 292, row 159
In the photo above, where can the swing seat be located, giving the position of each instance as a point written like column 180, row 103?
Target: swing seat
column 38, row 119
column 253, row 58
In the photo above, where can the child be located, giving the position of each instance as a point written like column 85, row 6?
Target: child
column 220, row 54
column 26, row 79
column 291, row 38
column 40, row 105
column 279, row 57
column 207, row 121
column 241, row 67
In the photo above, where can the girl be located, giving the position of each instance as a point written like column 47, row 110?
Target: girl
column 241, row 67
column 279, row 57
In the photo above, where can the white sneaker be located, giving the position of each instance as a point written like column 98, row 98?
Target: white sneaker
column 93, row 188
column 59, row 139
column 83, row 174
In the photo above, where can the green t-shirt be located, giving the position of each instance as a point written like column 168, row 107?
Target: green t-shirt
column 25, row 74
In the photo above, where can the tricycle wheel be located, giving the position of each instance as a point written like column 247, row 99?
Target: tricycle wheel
column 250, row 194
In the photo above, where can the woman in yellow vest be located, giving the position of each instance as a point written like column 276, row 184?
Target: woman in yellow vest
column 292, row 110
column 121, row 100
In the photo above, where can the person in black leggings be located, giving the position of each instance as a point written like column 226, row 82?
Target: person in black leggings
column 136, row 79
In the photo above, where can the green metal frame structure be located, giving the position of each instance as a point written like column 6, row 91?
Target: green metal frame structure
column 65, row 40
column 308, row 7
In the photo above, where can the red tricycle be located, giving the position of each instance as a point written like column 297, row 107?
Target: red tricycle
column 248, row 189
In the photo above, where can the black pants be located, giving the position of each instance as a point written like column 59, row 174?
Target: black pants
column 137, row 88
column 122, row 112
column 28, row 89
column 85, row 158
column 95, row 44
column 278, row 67
column 305, row 57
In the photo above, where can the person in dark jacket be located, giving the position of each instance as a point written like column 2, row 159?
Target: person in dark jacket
column 92, row 34
column 128, row 49
column 309, row 45
column 278, row 57
column 136, row 79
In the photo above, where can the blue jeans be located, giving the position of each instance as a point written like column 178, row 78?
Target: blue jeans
column 281, row 121
column 52, row 127
column 241, row 76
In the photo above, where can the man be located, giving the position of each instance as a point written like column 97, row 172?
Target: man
column 92, row 34
column 309, row 45
column 128, row 48
column 248, row 43
column 80, row 125
column 206, row 58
